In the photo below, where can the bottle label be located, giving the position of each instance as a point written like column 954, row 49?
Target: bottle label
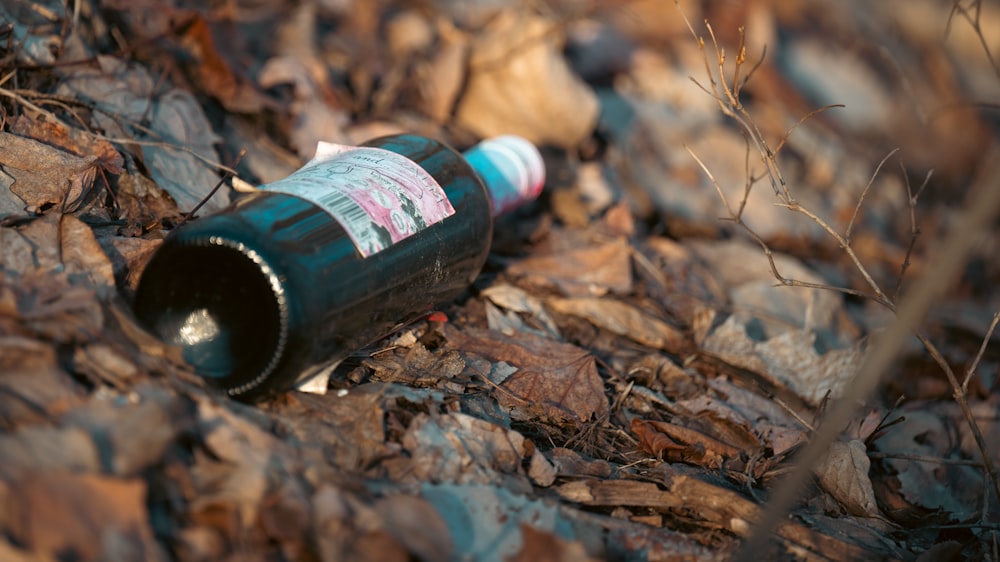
column 378, row 196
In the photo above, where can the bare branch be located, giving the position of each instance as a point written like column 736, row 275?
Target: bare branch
column 982, row 350
column 864, row 192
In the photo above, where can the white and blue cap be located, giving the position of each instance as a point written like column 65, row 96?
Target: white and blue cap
column 512, row 169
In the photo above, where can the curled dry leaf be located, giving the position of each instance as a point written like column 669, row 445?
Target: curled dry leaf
column 519, row 83
column 921, row 491
column 677, row 443
column 843, row 473
column 415, row 523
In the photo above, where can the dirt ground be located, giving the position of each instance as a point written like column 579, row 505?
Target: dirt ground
column 750, row 316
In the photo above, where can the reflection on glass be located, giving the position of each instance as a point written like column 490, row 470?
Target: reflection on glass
column 199, row 327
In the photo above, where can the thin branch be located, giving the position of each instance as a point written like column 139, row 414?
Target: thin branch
column 864, row 193
column 914, row 229
column 982, row 350
column 807, row 117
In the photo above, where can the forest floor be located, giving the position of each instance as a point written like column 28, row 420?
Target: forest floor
column 752, row 313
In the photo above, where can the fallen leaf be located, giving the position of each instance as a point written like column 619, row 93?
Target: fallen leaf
column 214, row 48
column 520, row 83
column 75, row 141
column 45, row 175
column 84, row 517
column 623, row 319
column 113, row 421
column 178, row 140
column 789, row 359
column 36, row 449
column 546, row 546
column 559, row 379
column 843, row 473
column 517, row 301
column 570, row 463
column 415, row 523
column 591, row 270
column 463, row 449
column 677, row 443
column 921, row 491
column 485, row 522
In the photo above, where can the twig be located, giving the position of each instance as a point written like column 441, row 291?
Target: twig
column 926, row 459
column 222, row 180
column 982, row 349
column 982, row 207
column 864, row 192
column 914, row 229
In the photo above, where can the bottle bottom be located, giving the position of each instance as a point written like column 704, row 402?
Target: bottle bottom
column 222, row 305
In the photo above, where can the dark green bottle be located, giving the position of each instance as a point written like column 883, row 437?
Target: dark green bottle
column 272, row 289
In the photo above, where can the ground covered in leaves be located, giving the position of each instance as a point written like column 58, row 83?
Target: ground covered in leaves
column 648, row 349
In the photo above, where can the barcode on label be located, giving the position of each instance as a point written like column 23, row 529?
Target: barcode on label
column 378, row 196
column 351, row 216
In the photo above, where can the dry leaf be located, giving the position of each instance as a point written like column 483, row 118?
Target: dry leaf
column 789, row 360
column 519, row 83
column 843, row 473
column 517, row 301
column 546, row 546
column 623, row 319
column 915, row 490
column 485, row 522
column 178, row 130
column 83, row 517
column 214, row 70
column 676, row 443
column 45, row 175
column 570, row 463
column 114, row 422
column 416, row 525
column 556, row 379
column 590, row 270
column 463, row 449
column 36, row 449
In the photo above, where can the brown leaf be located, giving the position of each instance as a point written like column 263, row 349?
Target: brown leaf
column 623, row 319
column 83, row 517
column 32, row 386
column 71, row 140
column 545, row 546
column 843, row 473
column 558, row 378
column 45, row 175
column 35, row 449
column 461, row 448
column 591, row 270
column 214, row 73
column 134, row 431
column 416, row 525
column 520, row 84
column 678, row 443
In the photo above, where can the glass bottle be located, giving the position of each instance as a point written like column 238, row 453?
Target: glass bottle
column 306, row 270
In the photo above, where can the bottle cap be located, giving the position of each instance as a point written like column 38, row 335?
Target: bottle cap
column 512, row 169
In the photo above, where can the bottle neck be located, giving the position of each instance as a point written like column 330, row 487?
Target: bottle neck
column 511, row 168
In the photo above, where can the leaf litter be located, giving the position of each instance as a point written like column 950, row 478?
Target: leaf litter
column 630, row 376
